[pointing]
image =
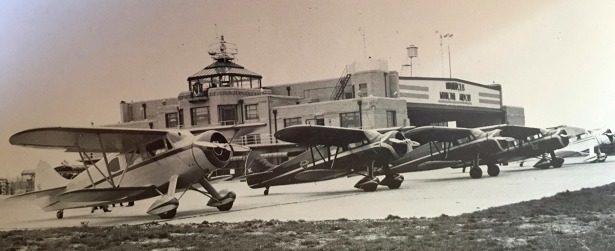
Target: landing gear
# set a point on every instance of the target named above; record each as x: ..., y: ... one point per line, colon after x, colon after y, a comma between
x: 476, y: 172
x: 230, y: 197
x: 493, y: 170
x: 223, y: 203
x: 266, y: 191
x: 557, y: 162
x: 168, y: 214
x: 60, y: 214
x: 393, y: 181
x: 370, y: 182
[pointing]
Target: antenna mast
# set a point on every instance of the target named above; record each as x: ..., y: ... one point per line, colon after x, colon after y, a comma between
x: 362, y: 31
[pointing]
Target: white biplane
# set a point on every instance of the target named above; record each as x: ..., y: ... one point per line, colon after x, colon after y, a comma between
x: 147, y: 164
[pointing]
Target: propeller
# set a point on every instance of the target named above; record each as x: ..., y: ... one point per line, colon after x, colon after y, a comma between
x: 405, y: 141
x: 225, y: 146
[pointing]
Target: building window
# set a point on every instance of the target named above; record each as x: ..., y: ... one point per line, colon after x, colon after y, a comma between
x: 350, y: 119
x: 363, y: 90
x: 200, y: 116
x: 171, y: 120
x: 227, y: 114
x: 347, y: 95
x: 292, y: 121
x: 251, y: 112
x: 391, y: 119
x: 318, y: 120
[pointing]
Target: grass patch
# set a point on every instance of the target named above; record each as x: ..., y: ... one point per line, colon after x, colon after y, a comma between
x: 581, y: 220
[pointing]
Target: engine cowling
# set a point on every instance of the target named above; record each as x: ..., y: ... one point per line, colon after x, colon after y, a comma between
x: 215, y: 148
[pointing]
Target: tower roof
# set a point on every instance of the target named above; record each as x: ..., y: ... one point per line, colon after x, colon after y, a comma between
x: 224, y: 54
x: 222, y: 67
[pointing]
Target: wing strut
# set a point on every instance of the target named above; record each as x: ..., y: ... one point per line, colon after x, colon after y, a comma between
x: 94, y: 164
x: 86, y: 169
x: 123, y: 172
x: 102, y: 147
x: 334, y: 158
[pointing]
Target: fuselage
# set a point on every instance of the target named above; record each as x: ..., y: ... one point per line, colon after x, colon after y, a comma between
x: 438, y: 151
x: 153, y: 164
x: 345, y: 160
x: 527, y: 148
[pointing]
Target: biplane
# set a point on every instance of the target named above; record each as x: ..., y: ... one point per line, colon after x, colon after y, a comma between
x: 530, y: 142
x: 333, y: 152
x: 443, y: 147
x: 586, y: 143
x: 146, y: 163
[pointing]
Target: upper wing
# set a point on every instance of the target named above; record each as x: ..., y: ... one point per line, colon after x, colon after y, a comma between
x: 240, y: 129
x: 517, y: 132
x: 86, y: 139
x: 323, y: 135
x: 571, y: 130
x: 441, y: 134
x: 398, y: 128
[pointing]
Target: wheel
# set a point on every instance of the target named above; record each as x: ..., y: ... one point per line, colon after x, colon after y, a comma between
x: 521, y: 164
x: 393, y: 182
x: 168, y: 214
x: 368, y: 184
x: 266, y: 191
x: 229, y: 205
x: 370, y: 187
x: 226, y: 206
x: 557, y: 162
x: 476, y: 172
x: 60, y: 214
x: 493, y: 170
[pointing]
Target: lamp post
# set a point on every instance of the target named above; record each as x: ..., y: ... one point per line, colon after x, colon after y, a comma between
x: 447, y: 35
x: 360, y: 103
x: 448, y: 45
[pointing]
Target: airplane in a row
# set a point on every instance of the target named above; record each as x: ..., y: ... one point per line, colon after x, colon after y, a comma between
x: 148, y: 163
x: 338, y: 152
x: 157, y: 163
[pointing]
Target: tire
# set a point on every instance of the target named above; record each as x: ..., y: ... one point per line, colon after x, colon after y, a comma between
x: 168, y: 215
x: 493, y: 170
x: 226, y: 207
x: 476, y: 172
x: 60, y: 214
x: 370, y: 187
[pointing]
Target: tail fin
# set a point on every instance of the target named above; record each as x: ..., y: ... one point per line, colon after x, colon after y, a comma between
x: 255, y: 163
x: 45, y: 177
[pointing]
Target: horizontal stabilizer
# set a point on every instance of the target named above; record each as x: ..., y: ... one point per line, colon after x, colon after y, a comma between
x: 258, y: 174
x: 320, y: 174
x: 439, y: 164
x: 38, y: 194
x: 104, y: 194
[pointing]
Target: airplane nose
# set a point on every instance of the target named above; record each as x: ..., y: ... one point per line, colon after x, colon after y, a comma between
x: 214, y: 147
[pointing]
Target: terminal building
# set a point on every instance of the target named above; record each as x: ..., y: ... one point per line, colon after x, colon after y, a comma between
x: 367, y: 95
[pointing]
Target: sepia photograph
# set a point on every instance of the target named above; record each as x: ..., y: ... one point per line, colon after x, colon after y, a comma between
x: 307, y: 125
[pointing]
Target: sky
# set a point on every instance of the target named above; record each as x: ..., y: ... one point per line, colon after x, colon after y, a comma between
x: 70, y: 63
